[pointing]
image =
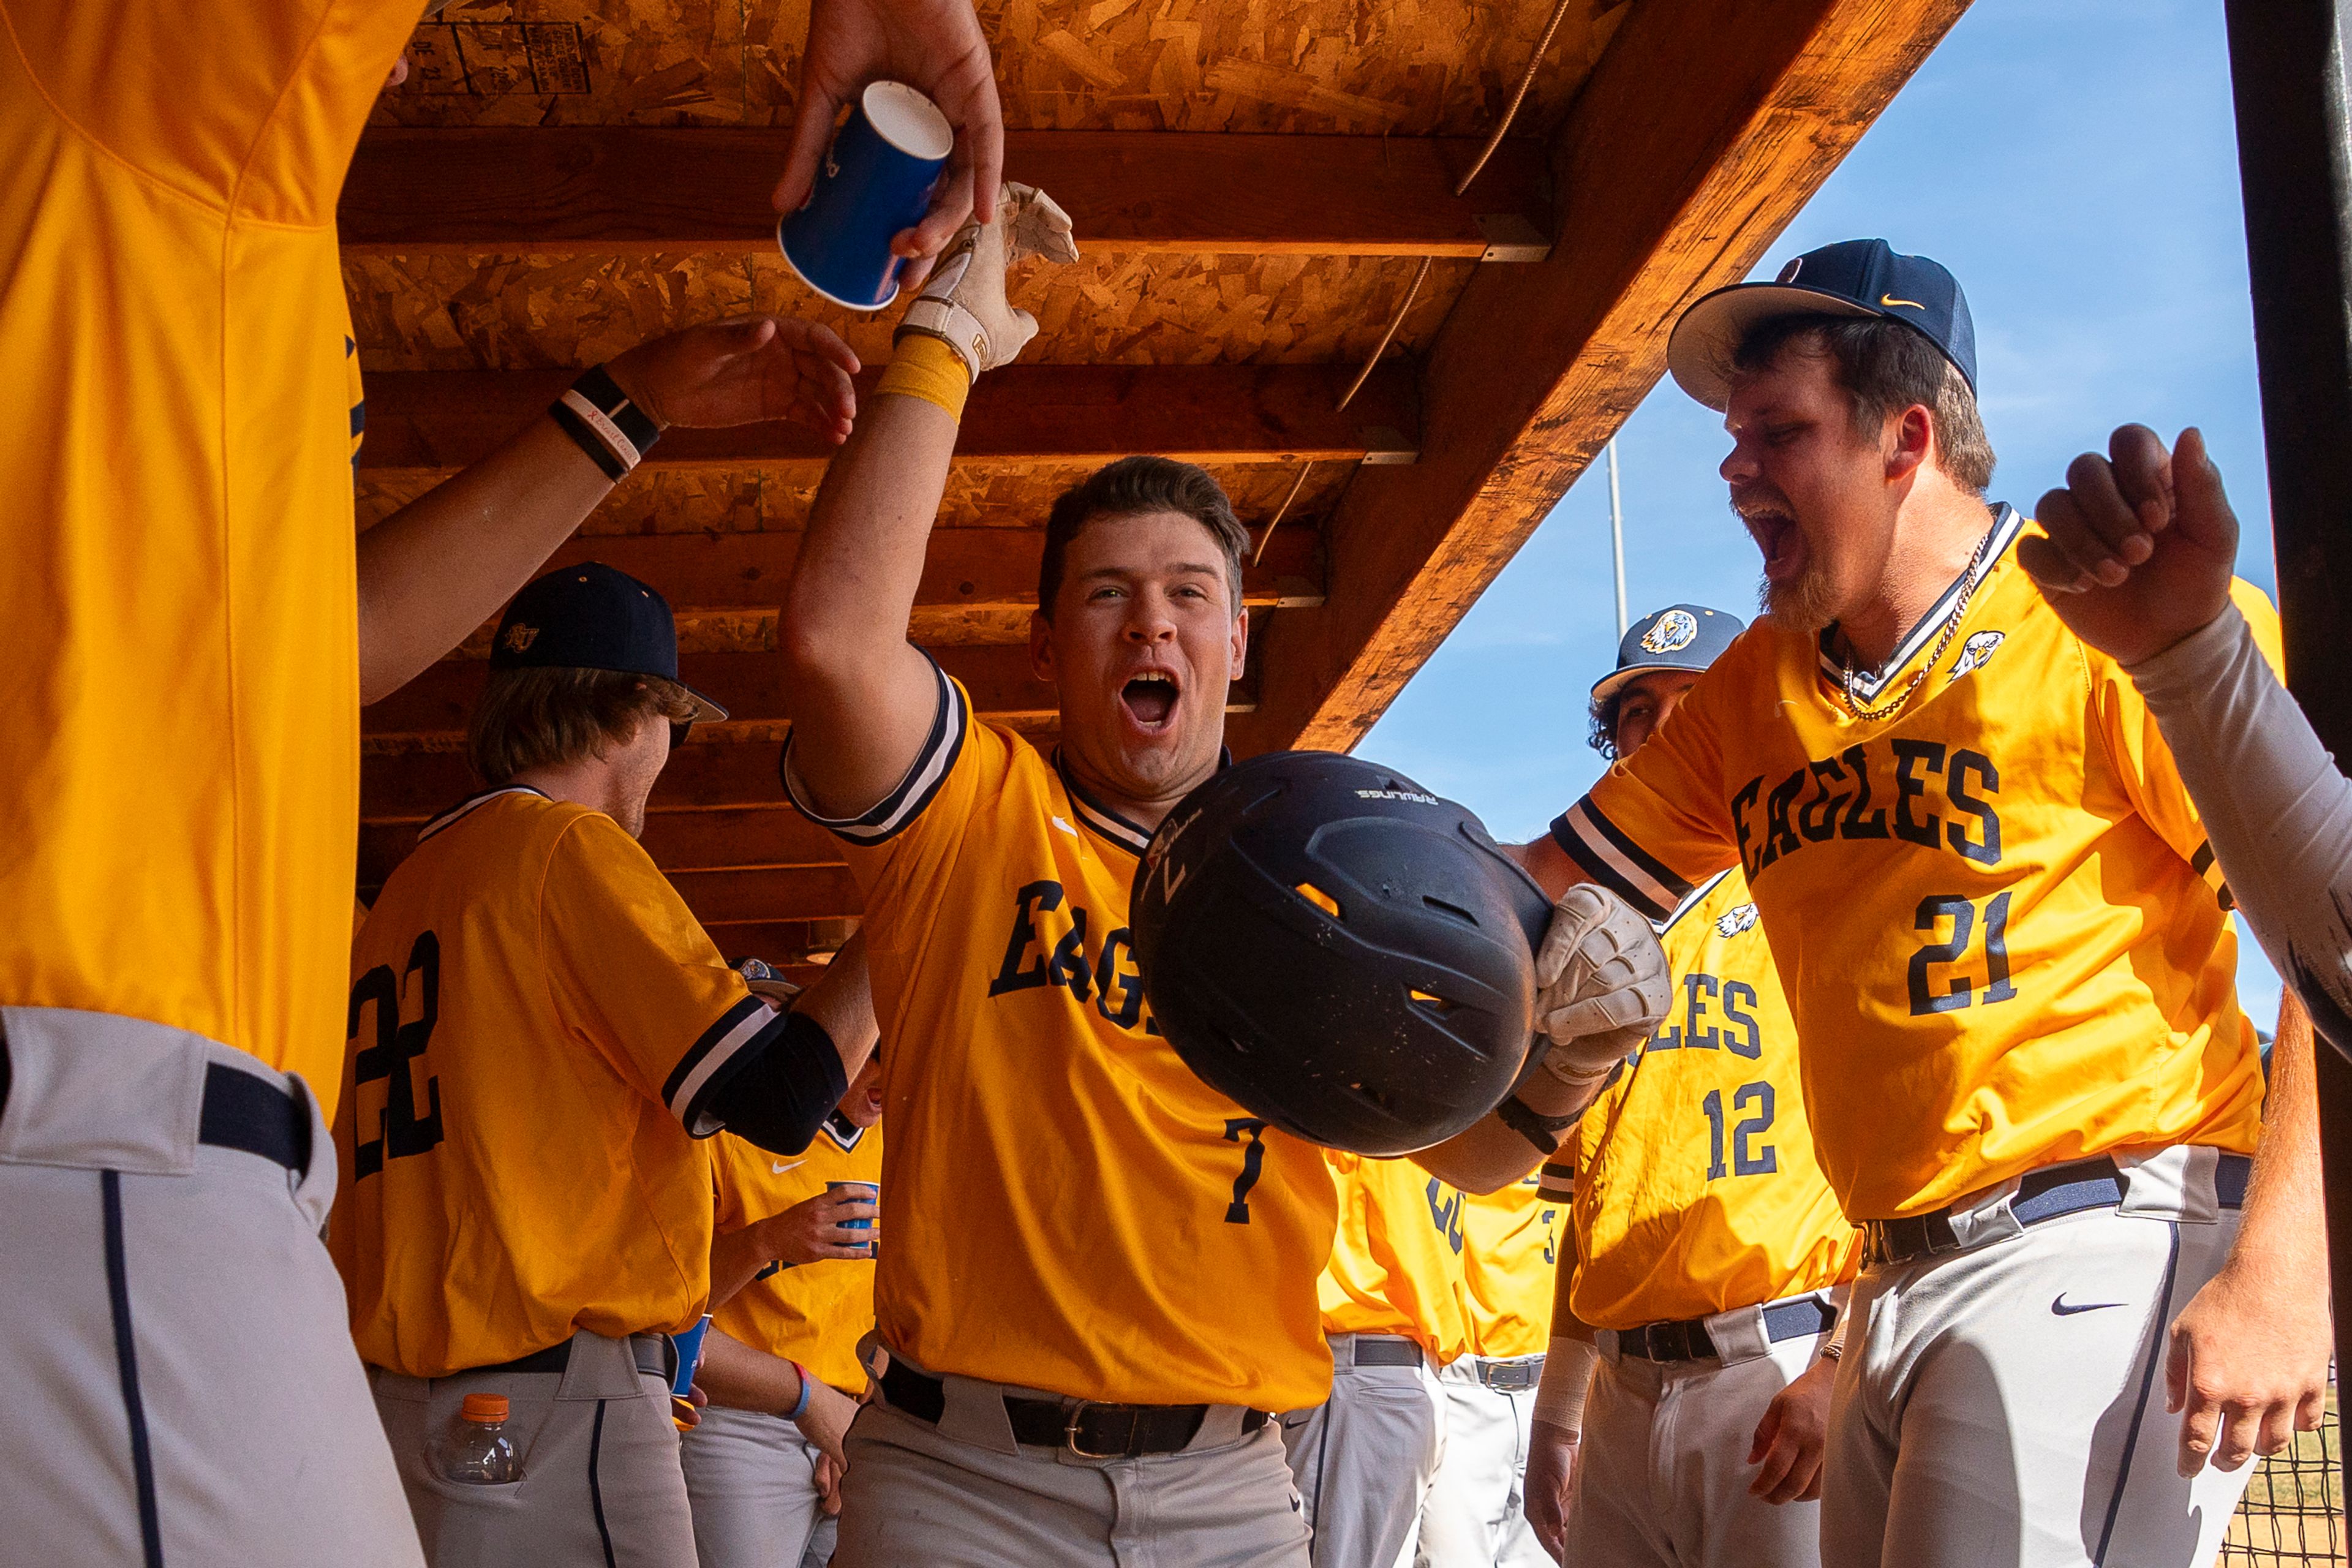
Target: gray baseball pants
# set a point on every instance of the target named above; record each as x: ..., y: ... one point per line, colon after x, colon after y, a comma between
x: 965, y: 1494
x: 2003, y: 1404
x: 1363, y: 1458
x: 751, y: 1479
x: 177, y: 1383
x: 600, y: 1485
x: 1476, y: 1514
x: 1662, y: 1471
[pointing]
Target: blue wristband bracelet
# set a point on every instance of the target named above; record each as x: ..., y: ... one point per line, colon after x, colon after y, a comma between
x: 807, y: 1383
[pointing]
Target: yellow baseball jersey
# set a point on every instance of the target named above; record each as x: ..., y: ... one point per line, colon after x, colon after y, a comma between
x: 1691, y: 1180
x: 536, y: 1026
x: 1067, y: 1206
x: 1994, y: 913
x: 1510, y: 1266
x: 810, y: 1312
x: 1396, y: 1255
x: 179, y: 611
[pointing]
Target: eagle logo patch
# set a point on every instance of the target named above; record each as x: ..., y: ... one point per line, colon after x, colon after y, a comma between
x: 1733, y: 922
x: 1675, y: 630
x: 1974, y: 653
x: 519, y: 637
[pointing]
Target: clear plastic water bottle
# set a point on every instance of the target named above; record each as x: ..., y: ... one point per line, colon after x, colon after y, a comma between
x: 476, y: 1450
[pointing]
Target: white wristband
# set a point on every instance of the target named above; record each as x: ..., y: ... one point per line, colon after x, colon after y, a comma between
x: 1567, y: 1379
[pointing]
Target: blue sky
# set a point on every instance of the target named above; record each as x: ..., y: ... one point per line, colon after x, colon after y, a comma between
x: 2075, y: 166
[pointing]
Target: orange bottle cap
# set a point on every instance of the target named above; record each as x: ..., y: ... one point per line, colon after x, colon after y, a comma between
x: 485, y: 1407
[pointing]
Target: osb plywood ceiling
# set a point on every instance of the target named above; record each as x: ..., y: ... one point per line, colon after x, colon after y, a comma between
x: 1256, y: 188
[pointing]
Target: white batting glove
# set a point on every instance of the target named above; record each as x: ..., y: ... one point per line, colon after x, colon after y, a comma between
x: 1602, y: 982
x: 963, y: 302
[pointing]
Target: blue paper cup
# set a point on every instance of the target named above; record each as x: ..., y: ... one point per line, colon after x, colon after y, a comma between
x: 877, y: 179
x: 689, y: 1355
x: 867, y: 1190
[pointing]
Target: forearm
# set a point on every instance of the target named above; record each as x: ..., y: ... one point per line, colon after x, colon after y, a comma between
x: 437, y: 568
x: 2281, y: 1232
x: 739, y: 1377
x: 736, y: 1258
x: 861, y: 698
x: 2277, y: 811
x: 1505, y: 1145
x: 842, y: 1001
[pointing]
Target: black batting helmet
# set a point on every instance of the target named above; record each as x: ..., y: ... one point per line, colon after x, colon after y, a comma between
x: 1339, y: 951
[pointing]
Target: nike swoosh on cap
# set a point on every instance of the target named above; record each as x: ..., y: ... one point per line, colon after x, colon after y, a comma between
x: 1891, y: 299
x: 2058, y: 1306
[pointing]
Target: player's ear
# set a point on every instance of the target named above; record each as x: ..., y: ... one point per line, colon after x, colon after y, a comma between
x: 1240, y: 642
x: 1041, y: 645
x: 1909, y: 440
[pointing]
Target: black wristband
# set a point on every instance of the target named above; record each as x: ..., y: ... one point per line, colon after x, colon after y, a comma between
x: 1543, y: 1131
x: 595, y: 413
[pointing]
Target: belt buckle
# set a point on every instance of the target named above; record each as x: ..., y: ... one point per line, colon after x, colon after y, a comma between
x: 1070, y: 1431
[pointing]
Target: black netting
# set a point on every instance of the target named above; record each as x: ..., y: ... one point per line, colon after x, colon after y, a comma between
x: 2294, y: 1510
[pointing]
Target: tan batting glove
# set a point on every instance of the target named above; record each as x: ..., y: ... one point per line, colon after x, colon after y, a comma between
x: 963, y: 303
x: 1601, y: 984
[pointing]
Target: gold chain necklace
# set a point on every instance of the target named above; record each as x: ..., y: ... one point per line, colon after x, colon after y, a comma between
x: 1951, y: 624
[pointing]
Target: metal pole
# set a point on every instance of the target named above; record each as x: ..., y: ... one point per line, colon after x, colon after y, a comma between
x: 1617, y: 537
x: 2295, y: 166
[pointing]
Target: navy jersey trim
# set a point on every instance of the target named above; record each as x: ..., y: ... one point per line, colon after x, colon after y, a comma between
x: 950, y: 723
x: 468, y: 805
x: 841, y: 1132
x: 1131, y: 837
x: 1616, y: 862
x: 1697, y: 897
x: 742, y: 1032
x: 2006, y: 524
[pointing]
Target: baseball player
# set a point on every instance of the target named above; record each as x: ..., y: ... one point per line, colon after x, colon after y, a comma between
x: 792, y: 1281
x: 1476, y: 1514
x: 1102, y: 1274
x: 540, y: 1033
x: 2002, y: 936
x: 1705, y: 1246
x: 2137, y: 562
x: 1393, y: 1313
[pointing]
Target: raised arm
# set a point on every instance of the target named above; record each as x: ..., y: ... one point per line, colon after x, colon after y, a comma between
x: 862, y: 700
x: 2142, y: 547
x: 438, y: 567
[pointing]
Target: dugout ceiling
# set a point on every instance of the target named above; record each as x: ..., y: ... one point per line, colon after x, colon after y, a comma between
x: 1256, y: 185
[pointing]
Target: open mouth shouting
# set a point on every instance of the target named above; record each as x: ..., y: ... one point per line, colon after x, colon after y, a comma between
x: 1151, y: 698
x: 1774, y: 529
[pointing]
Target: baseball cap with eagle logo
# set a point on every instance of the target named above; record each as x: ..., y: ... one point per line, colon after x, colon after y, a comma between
x: 1851, y: 278
x: 593, y: 616
x: 1680, y: 636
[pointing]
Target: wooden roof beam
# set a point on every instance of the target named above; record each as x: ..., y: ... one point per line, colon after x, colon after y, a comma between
x: 624, y: 190
x: 431, y: 710
x: 979, y: 584
x: 1238, y: 413
x: 1665, y: 195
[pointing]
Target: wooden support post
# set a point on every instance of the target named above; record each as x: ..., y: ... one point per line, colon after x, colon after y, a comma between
x: 2295, y: 163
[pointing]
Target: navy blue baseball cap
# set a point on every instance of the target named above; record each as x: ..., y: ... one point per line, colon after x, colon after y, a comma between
x: 592, y: 617
x: 1851, y: 278
x: 1680, y: 636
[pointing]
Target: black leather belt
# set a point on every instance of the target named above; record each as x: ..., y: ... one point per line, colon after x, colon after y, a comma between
x: 1511, y: 1376
x: 242, y: 1112
x: 1386, y: 1349
x: 1689, y: 1341
x: 656, y: 1357
x: 2042, y: 1196
x: 1089, y: 1430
